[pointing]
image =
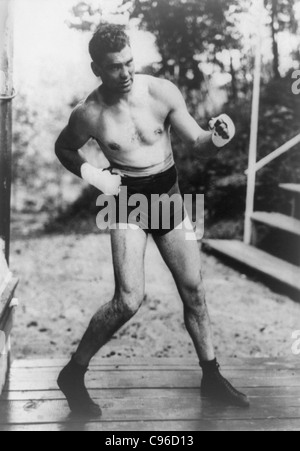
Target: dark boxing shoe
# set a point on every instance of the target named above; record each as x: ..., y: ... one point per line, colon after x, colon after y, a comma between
x: 217, y: 388
x: 71, y: 383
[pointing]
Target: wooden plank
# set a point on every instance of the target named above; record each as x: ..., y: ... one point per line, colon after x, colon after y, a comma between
x: 5, y: 350
x: 166, y: 426
x: 121, y: 368
x: 258, y: 260
x: 99, y: 393
x: 259, y: 392
x: 7, y: 295
x: 4, y: 363
x: 286, y: 147
x: 96, y: 372
x: 278, y: 221
x: 260, y: 370
x: 110, y: 367
x: 110, y: 363
x: 182, y: 363
x: 154, y: 379
x: 150, y: 409
x: 4, y: 271
x: 6, y: 322
x: 6, y: 90
x: 291, y: 187
x: 252, y: 159
x: 37, y: 372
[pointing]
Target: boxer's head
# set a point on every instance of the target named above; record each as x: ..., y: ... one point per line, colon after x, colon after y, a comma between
x: 112, y: 57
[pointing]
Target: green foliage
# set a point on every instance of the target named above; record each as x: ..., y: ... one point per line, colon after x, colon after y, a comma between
x: 284, y: 10
x: 223, y: 179
x: 77, y: 217
x: 188, y: 32
x: 39, y: 181
x: 24, y: 132
x: 84, y: 16
x: 282, y: 18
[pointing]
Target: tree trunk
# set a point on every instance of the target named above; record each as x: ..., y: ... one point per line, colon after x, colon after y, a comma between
x: 274, y: 28
x: 233, y: 81
x: 6, y: 91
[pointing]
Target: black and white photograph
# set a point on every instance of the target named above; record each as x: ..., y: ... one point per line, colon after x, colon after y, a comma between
x: 149, y: 218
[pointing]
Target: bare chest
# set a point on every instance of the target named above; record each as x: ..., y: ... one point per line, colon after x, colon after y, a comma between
x: 129, y: 128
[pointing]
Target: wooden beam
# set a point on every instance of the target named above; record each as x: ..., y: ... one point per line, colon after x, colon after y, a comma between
x: 277, y: 153
x: 260, y: 261
x: 4, y: 271
x: 254, y: 128
x: 7, y: 296
x: 278, y: 221
x: 270, y: 425
x: 6, y: 94
x: 6, y: 324
x: 291, y: 187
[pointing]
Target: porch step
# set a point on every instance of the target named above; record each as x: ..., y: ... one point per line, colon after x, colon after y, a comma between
x: 263, y: 262
x: 278, y: 221
x: 292, y: 187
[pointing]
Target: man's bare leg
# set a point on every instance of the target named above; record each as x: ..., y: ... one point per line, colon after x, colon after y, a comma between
x: 183, y: 259
x: 128, y: 248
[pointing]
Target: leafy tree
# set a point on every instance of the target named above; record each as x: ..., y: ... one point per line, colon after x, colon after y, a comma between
x: 84, y: 16
x: 282, y: 18
x: 189, y: 32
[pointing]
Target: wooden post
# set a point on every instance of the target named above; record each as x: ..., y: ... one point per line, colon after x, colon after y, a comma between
x: 6, y: 95
x: 8, y: 285
x: 254, y: 127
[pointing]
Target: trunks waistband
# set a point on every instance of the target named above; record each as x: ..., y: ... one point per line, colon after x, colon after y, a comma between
x: 169, y: 174
x: 132, y: 172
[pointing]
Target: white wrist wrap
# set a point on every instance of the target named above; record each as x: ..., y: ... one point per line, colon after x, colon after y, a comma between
x: 91, y: 174
x: 104, y: 181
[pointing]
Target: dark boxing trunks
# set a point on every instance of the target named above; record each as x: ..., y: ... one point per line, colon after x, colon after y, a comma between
x: 154, y: 203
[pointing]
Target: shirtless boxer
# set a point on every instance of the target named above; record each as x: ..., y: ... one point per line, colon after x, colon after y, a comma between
x: 131, y: 117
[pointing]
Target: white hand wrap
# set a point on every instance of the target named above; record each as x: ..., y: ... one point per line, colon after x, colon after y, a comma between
x: 104, y: 181
x: 216, y: 138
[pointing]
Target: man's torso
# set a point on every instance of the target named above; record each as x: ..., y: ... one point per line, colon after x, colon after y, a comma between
x: 134, y: 135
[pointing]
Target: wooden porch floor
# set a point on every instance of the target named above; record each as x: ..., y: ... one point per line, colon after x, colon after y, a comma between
x: 153, y: 395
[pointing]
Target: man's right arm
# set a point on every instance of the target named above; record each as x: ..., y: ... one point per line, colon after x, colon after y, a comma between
x: 67, y: 147
x: 71, y: 140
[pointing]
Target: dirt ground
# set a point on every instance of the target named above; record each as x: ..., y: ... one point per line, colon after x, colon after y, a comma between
x: 65, y: 279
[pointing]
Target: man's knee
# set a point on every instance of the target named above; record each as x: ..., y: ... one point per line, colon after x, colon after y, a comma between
x: 194, y: 292
x: 129, y: 301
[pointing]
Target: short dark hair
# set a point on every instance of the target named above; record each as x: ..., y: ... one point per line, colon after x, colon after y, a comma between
x: 108, y: 38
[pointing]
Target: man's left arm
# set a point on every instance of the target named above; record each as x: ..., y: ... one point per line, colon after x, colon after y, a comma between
x: 221, y: 132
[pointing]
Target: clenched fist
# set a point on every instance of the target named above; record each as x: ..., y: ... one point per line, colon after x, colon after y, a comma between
x: 105, y: 181
x: 223, y: 130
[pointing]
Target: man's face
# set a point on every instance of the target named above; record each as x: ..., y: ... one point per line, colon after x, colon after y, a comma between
x: 117, y: 71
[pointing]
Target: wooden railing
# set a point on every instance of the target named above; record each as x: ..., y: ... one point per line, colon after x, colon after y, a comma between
x: 253, y: 165
x: 276, y: 154
x: 251, y: 173
x: 7, y: 93
x: 254, y: 124
x: 8, y: 285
